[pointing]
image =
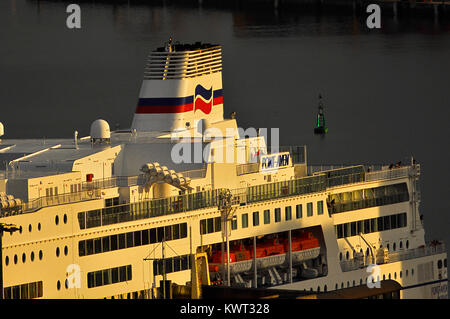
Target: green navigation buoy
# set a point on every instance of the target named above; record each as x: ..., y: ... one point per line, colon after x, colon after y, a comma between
x: 320, y: 128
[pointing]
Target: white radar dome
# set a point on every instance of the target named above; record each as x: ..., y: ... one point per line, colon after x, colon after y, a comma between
x: 100, y: 130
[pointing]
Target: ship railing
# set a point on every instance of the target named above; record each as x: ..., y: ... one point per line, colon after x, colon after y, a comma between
x: 341, y: 174
x: 55, y: 200
x: 392, y: 173
x: 362, y: 262
x: 195, y: 173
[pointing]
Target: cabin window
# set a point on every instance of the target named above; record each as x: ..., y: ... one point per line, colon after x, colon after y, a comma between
x: 244, y: 220
x: 267, y: 216
x: 309, y: 209
x: 288, y: 212
x: 137, y: 238
x: 160, y: 234
x: 202, y: 226
x: 346, y: 230
x: 145, y: 237
x: 167, y: 233
x: 81, y: 248
x: 320, y: 207
x: 210, y: 225
x: 114, y: 242
x: 175, y: 230
x: 97, y: 245
x: 277, y: 215
x: 387, y: 222
x: 298, y: 211
x: 353, y: 229
x: 89, y: 247
x: 255, y: 218
x: 217, y: 224
x: 121, y: 241
x: 234, y: 223
x: 339, y: 231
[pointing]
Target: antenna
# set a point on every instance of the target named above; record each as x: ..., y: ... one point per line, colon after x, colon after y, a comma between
x: 76, y: 139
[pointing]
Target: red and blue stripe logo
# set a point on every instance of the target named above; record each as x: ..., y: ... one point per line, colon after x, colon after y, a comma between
x: 203, y: 100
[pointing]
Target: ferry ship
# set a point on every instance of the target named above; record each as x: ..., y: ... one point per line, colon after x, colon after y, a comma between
x: 123, y: 214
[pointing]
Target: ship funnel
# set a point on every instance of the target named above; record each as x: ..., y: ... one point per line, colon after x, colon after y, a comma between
x: 182, y: 85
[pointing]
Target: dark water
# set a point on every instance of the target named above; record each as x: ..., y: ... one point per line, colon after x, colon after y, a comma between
x: 386, y: 92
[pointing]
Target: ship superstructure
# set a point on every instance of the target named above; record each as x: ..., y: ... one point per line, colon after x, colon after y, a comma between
x: 118, y: 214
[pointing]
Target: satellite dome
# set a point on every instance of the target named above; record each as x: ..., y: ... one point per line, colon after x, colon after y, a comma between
x: 100, y: 130
x: 2, y: 129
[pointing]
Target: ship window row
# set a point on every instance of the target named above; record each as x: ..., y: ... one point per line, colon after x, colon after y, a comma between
x: 109, y: 276
x: 278, y: 216
x: 370, y: 197
x: 131, y: 239
x: 210, y: 225
x: 25, y: 291
x: 169, y: 265
x: 371, y: 225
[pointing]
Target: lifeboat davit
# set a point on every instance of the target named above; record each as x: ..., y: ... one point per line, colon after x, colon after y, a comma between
x: 270, y: 253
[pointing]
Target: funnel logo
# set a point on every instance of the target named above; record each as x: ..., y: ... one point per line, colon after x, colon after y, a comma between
x: 203, y: 99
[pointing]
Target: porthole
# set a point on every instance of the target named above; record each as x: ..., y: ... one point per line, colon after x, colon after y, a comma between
x: 395, y: 275
x: 58, y: 285
x: 354, y: 283
x: 387, y: 246
x: 24, y: 258
x: 65, y: 219
x: 407, y: 244
x: 66, y: 250
x: 32, y: 256
x: 389, y: 277
x: 66, y: 283
x: 30, y: 228
x: 39, y: 226
x: 360, y: 281
x: 15, y: 259
x: 40, y: 254
x: 342, y: 285
x: 393, y: 247
x: 401, y: 274
x: 401, y: 245
x: 57, y: 251
x: 56, y: 220
x: 325, y: 288
x: 336, y: 287
x: 439, y: 264
x: 384, y: 277
x: 406, y: 273
x: 412, y: 272
x: 7, y: 261
x: 340, y: 256
x: 347, y: 255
